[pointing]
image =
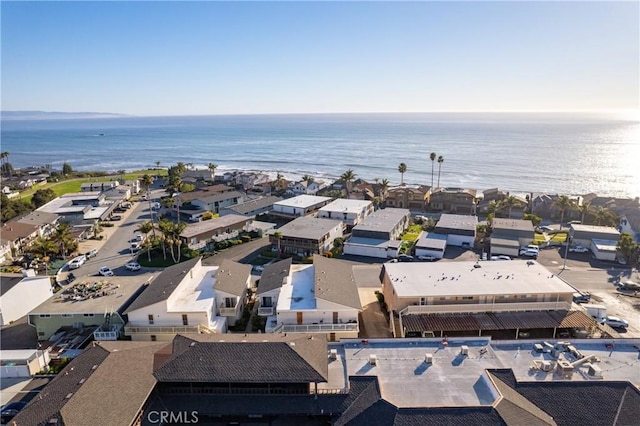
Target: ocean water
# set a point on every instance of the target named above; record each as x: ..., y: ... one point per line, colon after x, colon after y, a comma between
x: 554, y: 153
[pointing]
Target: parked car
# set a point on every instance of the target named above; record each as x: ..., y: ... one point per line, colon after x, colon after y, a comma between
x: 578, y: 249
x: 529, y: 253
x: 105, y: 271
x: 119, y: 210
x: 10, y: 410
x: 501, y: 257
x: 614, y: 322
x: 405, y: 258
x: 132, y: 266
x: 581, y: 297
x: 427, y: 258
x: 116, y: 217
x: 545, y: 228
x: 629, y: 285
x: 77, y: 262
x: 91, y: 253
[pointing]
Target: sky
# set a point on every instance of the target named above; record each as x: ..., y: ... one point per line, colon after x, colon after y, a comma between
x: 197, y: 58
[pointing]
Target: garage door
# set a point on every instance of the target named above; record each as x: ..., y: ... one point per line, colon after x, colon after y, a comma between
x: 14, y: 371
x: 358, y: 250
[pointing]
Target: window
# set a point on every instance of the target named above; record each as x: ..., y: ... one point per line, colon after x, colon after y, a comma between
x: 185, y: 319
x: 229, y: 302
x: 153, y: 338
x: 267, y: 302
x: 150, y: 319
x: 45, y: 316
x: 467, y: 297
x: 88, y: 315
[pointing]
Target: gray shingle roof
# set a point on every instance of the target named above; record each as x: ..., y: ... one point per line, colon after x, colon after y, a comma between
x: 245, y: 359
x: 273, y: 275
x: 161, y: 288
x: 232, y: 277
x: 334, y: 282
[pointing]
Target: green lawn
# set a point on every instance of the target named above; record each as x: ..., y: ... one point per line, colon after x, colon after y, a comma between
x: 412, y: 233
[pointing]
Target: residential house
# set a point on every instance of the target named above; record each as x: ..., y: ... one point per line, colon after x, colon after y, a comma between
x: 19, y: 295
x: 378, y: 235
x: 306, y: 236
x: 18, y: 236
x: 305, y: 187
x: 46, y: 222
x: 186, y: 197
x: 350, y: 212
x: 97, y: 305
x: 471, y: 299
x: 543, y: 205
x: 22, y: 362
x: 200, y: 235
x: 453, y: 200
x: 601, y: 240
x: 459, y: 229
x: 489, y: 195
x: 215, y: 202
x: 319, y: 298
x: 81, y: 208
x: 251, y: 208
x: 5, y: 249
x: 431, y: 244
x: 99, y: 186
x: 415, y: 198
x: 198, y: 174
x: 118, y: 193
x: 627, y: 209
x: 302, y: 205
x: 508, y: 235
x: 249, y: 180
x: 189, y: 298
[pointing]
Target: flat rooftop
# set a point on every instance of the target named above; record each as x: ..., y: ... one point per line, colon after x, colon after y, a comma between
x: 343, y: 205
x: 453, y: 380
x: 303, y: 201
x: 457, y: 221
x: 605, y: 245
x: 431, y: 240
x: 194, y: 294
x: 371, y: 242
x: 466, y: 279
x: 383, y: 220
x: 594, y: 228
x: 298, y: 293
x: 308, y: 227
x: 111, y: 293
x: 194, y: 229
x: 511, y: 224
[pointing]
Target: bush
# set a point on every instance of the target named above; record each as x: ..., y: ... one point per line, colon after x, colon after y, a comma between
x: 327, y: 253
x: 245, y: 238
x: 380, y: 297
x: 308, y: 259
x: 107, y: 224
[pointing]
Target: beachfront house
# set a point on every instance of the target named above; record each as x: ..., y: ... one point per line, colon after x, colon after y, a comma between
x: 500, y: 299
x: 415, y: 198
x: 306, y: 236
x: 453, y: 200
x: 302, y: 205
x: 319, y: 298
x: 378, y: 235
x: 350, y: 212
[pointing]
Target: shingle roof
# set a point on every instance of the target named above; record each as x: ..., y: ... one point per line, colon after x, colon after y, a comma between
x: 334, y: 282
x: 274, y: 274
x: 161, y: 288
x: 232, y: 277
x: 219, y: 197
x: 89, y: 388
x: 246, y: 359
x: 13, y: 230
x: 251, y: 205
x: 39, y: 218
x: 514, y: 408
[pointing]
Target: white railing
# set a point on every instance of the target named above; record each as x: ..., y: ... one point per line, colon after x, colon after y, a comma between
x: 316, y: 328
x: 105, y: 335
x: 228, y: 312
x: 266, y: 311
x: 486, y: 307
x: 162, y: 329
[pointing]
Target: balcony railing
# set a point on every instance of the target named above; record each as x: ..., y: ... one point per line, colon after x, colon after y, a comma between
x: 486, y: 307
x: 316, y: 328
x: 228, y: 312
x: 152, y: 329
x: 266, y: 311
x: 105, y: 335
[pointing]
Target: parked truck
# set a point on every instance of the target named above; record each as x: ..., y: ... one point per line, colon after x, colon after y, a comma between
x: 596, y: 311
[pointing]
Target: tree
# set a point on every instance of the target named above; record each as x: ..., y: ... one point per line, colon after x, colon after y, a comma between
x: 278, y: 236
x: 402, y: 168
x: 212, y: 167
x: 66, y: 169
x: 563, y: 203
x: 535, y: 220
x: 604, y: 217
x: 432, y: 157
x: 145, y: 228
x: 308, y: 179
x: 157, y: 164
x: 440, y: 161
x: 42, y: 197
x: 629, y: 248
x: 97, y: 229
x: 348, y: 177
x: 11, y: 208
x: 42, y: 247
x: 585, y: 209
x: 509, y: 203
x: 384, y: 185
x: 146, y: 181
x: 165, y: 226
x: 62, y: 237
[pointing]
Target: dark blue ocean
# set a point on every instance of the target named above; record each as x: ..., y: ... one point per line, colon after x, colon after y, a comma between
x: 564, y: 153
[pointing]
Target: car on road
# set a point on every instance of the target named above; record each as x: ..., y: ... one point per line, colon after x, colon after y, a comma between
x: 77, y: 262
x: 405, y: 258
x: 427, y: 258
x: 91, y: 253
x: 501, y: 257
x: 105, y: 272
x: 614, y: 322
x: 629, y: 285
x: 10, y: 410
x: 529, y: 253
x: 580, y: 297
x: 132, y: 266
x: 578, y: 249
x: 115, y: 218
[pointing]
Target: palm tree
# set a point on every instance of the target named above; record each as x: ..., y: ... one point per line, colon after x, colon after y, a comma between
x: 213, y: 168
x: 145, y: 228
x: 157, y: 164
x: 146, y: 181
x: 440, y: 161
x: 509, y: 203
x: 175, y: 229
x: 43, y: 247
x: 165, y: 226
x: 348, y: 177
x: 563, y: 203
x: 432, y: 157
x: 278, y: 236
x: 402, y: 168
x: 384, y: 185
x: 605, y: 217
x: 62, y: 237
x: 585, y: 209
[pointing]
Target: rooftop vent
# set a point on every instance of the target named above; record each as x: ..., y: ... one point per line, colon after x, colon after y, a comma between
x: 192, y: 344
x: 69, y: 395
x: 373, y: 359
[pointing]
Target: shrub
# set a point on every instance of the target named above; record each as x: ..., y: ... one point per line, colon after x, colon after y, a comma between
x: 245, y: 238
x: 308, y: 259
x: 327, y: 253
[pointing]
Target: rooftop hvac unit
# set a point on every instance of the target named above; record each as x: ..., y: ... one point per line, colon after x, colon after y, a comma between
x: 595, y: 371
x: 538, y: 347
x: 428, y: 358
x: 333, y: 354
x: 373, y: 359
x: 546, y: 366
x: 464, y: 350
